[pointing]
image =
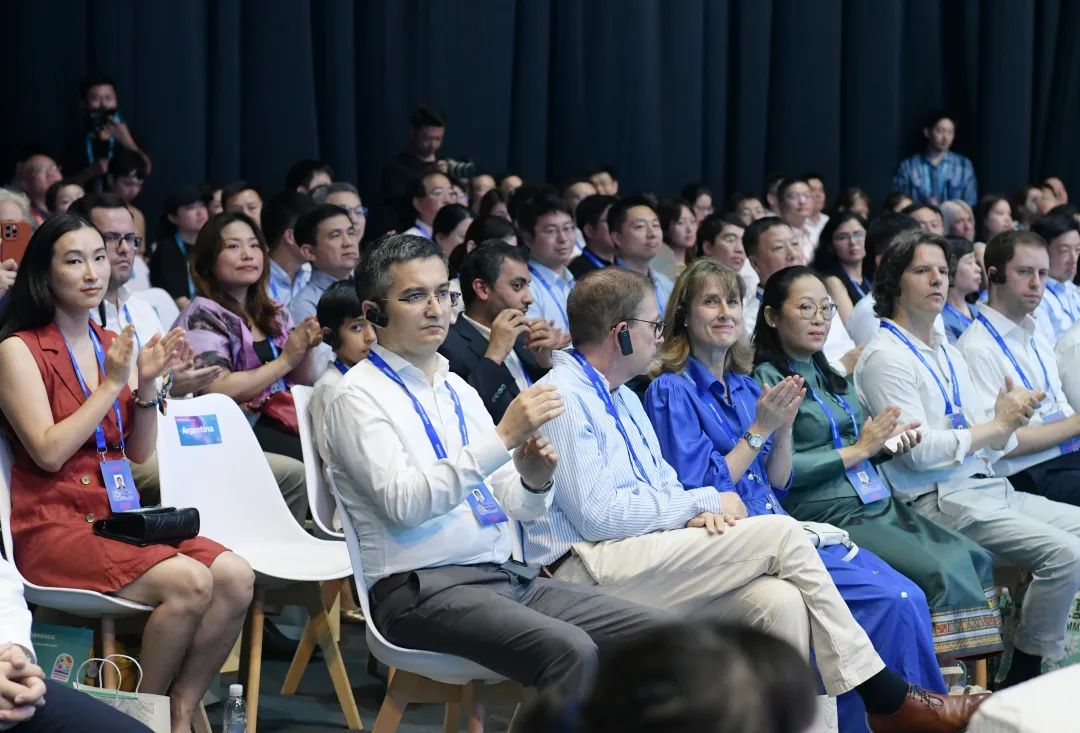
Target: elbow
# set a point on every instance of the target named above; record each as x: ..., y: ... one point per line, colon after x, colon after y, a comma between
x: 47, y: 461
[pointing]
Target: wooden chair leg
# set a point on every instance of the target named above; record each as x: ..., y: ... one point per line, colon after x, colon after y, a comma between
x: 331, y: 596
x: 251, y: 657
x: 980, y: 673
x: 405, y: 688
x: 332, y: 655
x: 300, y: 660
x: 108, y: 678
x: 452, y: 718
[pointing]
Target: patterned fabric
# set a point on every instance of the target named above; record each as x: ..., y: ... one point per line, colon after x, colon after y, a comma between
x: 922, y: 181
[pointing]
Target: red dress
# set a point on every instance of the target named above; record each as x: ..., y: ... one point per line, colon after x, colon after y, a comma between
x: 52, y: 513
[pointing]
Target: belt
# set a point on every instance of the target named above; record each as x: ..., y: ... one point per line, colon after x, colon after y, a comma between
x: 553, y: 567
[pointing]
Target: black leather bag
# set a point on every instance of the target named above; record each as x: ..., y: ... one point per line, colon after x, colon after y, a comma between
x: 150, y: 526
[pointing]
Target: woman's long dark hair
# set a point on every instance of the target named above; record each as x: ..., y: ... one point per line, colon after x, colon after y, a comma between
x: 31, y: 304
x: 827, y: 262
x: 767, y: 346
x: 258, y: 309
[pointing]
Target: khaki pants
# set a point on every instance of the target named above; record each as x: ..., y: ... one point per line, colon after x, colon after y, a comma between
x: 763, y: 571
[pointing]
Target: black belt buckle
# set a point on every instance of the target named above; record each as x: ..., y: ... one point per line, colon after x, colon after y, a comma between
x: 520, y: 570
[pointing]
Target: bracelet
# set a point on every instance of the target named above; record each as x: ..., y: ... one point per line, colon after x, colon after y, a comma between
x: 160, y: 401
x: 542, y: 490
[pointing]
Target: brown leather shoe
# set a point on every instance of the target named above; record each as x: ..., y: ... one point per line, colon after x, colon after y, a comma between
x: 928, y: 712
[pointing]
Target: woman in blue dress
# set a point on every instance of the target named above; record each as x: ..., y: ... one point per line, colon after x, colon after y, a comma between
x: 965, y: 284
x: 718, y: 427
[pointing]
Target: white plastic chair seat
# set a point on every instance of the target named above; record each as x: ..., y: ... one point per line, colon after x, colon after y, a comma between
x: 297, y: 561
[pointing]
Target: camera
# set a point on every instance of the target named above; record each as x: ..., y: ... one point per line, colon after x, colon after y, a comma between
x: 97, y: 117
x: 461, y: 169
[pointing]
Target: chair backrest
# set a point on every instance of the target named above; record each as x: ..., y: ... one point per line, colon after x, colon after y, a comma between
x: 162, y: 303
x: 319, y: 499
x: 7, y: 459
x: 353, y: 543
x: 209, y: 458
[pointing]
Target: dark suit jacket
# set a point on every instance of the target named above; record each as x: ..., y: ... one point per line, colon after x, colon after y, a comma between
x: 464, y: 347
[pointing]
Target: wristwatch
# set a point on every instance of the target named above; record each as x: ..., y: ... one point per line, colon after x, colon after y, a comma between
x: 756, y: 441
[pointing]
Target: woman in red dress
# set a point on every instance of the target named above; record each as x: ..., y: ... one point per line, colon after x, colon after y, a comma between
x: 199, y: 589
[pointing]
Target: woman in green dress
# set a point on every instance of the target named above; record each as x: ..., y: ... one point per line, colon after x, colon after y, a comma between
x: 834, y: 476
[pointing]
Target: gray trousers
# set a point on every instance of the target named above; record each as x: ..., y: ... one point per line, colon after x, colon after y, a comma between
x: 1026, y: 530
x: 542, y: 633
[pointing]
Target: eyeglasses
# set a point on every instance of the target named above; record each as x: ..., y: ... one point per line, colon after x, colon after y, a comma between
x: 807, y: 311
x: 360, y: 212
x: 114, y: 238
x: 658, y: 326
x: 423, y: 299
x: 846, y: 237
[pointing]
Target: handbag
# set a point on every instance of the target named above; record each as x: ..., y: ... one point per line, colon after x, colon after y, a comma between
x: 144, y: 527
x: 823, y: 535
x: 150, y: 710
x: 280, y: 409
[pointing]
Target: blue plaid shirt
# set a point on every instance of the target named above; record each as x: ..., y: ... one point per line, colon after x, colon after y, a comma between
x: 952, y: 178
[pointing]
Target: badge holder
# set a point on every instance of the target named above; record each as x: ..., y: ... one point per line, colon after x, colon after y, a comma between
x: 866, y: 481
x: 119, y: 484
x: 959, y: 422
x: 484, y: 507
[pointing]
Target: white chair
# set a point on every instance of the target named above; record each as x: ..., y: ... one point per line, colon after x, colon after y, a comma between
x: 418, y: 676
x: 228, y: 480
x: 319, y: 499
x: 162, y: 303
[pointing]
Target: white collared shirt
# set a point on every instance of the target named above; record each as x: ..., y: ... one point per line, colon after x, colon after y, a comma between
x: 1059, y: 309
x: 550, y: 305
x: 837, y: 343
x: 990, y: 366
x: 420, y: 229
x: 816, y: 228
x: 511, y: 362
x: 863, y: 324
x: 134, y: 311
x: 1067, y: 352
x: 14, y: 615
x: 408, y: 507
x: 888, y: 373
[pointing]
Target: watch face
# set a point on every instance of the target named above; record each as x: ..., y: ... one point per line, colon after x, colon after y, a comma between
x: 755, y: 441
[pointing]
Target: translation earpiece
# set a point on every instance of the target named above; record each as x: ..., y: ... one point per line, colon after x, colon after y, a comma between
x: 995, y: 277
x: 626, y: 345
x: 376, y: 317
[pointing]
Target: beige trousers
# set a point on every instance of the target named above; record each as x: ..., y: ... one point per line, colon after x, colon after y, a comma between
x: 763, y: 571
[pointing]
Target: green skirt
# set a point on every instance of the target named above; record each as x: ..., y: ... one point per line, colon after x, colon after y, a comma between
x: 955, y: 573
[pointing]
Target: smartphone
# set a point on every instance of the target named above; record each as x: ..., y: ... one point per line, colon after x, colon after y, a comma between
x: 14, y: 237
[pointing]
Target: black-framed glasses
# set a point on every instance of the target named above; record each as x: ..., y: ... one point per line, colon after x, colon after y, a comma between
x: 807, y: 311
x: 658, y: 326
x: 114, y: 238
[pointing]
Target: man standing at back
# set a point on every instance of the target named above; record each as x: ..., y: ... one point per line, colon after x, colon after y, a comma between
x: 937, y: 174
x: 427, y: 129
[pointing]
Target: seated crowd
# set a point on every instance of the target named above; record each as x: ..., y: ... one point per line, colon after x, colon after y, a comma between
x: 824, y: 426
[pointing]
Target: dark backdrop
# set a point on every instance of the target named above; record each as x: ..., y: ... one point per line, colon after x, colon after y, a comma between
x: 668, y: 91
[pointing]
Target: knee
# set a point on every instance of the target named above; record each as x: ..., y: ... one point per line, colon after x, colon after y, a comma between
x: 191, y: 587
x: 234, y: 580
x: 573, y: 660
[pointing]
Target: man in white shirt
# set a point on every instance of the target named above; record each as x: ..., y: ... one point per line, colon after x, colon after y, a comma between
x: 547, y: 229
x: 429, y: 194
x: 818, y: 218
x: 429, y: 482
x: 1060, y: 307
x: 949, y: 477
x: 1003, y: 342
x: 795, y: 197
x: 771, y: 245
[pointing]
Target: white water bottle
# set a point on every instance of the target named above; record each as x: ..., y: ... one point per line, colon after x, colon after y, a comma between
x: 235, y: 713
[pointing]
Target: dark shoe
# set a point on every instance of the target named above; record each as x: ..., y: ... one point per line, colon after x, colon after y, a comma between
x: 928, y: 712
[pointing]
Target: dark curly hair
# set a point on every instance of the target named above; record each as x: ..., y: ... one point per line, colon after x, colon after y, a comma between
x: 896, y: 258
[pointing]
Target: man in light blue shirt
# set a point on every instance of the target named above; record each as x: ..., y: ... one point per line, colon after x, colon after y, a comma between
x: 621, y: 520
x: 289, y: 270
x: 1060, y: 306
x: 548, y: 230
x: 329, y: 242
x: 637, y: 236
x: 937, y: 174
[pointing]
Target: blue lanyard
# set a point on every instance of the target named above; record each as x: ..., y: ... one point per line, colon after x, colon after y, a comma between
x: 593, y: 258
x: 1063, y: 302
x: 547, y: 286
x: 957, y: 313
x: 838, y: 442
x: 429, y: 428
x: 280, y: 384
x: 952, y: 372
x: 605, y: 396
x: 860, y: 289
x: 182, y: 246
x: 99, y: 432
x: 131, y: 322
x: 1012, y: 357
x: 90, y: 148
x: 340, y: 365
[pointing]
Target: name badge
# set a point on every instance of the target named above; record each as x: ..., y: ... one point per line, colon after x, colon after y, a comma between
x: 484, y: 507
x: 120, y: 486
x: 867, y: 483
x: 1072, y: 444
x: 959, y: 422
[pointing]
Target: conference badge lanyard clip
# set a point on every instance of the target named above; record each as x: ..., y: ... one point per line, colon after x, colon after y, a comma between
x: 483, y: 505
x: 954, y: 410
x: 116, y: 474
x: 863, y: 477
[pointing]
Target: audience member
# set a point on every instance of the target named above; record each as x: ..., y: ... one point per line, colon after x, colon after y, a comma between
x: 34, y: 173
x: 345, y: 330
x: 928, y: 217
x: 993, y: 215
x: 548, y: 231
x: 965, y: 282
x: 721, y: 238
x: 61, y: 194
x: 840, y: 258
x: 853, y: 199
x: 66, y: 381
x: 863, y: 323
x: 15, y: 206
x: 494, y: 203
x: 746, y: 207
x: 347, y: 197
x: 429, y: 194
x: 427, y: 129
x: 599, y: 250
x: 481, y: 230
x: 573, y: 193
x: 290, y: 270
x: 1003, y: 344
x: 508, y: 183
x: 87, y: 157
x: 304, y: 176
x: 433, y: 503
x: 125, y: 177
x: 818, y: 218
x: 494, y: 346
x: 1030, y: 202
x: 182, y: 219
x: 895, y: 202
x: 835, y: 449
x: 479, y: 185
x: 769, y: 193
x: 795, y: 197
x: 958, y: 219
x: 637, y: 236
x: 1058, y: 312
x: 604, y: 179
x: 233, y: 324
x: 241, y: 197
x: 950, y: 477
x: 937, y: 174
x: 450, y: 226
x: 678, y: 226
x: 630, y: 526
x: 1060, y: 192
x: 458, y: 195
x: 329, y: 242
x: 212, y: 198
x: 699, y: 197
